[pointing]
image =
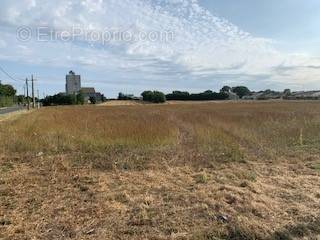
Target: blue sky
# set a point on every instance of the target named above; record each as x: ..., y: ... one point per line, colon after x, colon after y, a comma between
x: 261, y: 44
x: 293, y: 23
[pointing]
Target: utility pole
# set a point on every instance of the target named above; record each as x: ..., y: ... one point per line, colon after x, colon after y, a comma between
x: 38, y: 102
x: 28, y: 100
x: 24, y: 94
x: 33, y: 96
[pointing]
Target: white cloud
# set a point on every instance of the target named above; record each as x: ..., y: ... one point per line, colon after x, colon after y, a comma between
x: 203, y: 46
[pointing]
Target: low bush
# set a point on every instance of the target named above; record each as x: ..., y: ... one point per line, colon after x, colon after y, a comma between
x: 154, y: 96
x: 63, y: 99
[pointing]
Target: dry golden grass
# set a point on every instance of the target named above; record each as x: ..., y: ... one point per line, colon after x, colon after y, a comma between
x: 185, y: 171
x: 121, y: 103
x: 13, y: 115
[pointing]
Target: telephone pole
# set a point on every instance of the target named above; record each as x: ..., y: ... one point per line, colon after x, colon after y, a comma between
x: 24, y: 94
x: 38, y: 102
x: 28, y: 100
x: 33, y: 96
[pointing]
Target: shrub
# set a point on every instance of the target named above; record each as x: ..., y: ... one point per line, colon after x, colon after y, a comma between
x: 154, y: 97
x: 93, y: 100
x: 202, y: 178
x: 241, y: 91
x: 79, y: 99
x: 63, y: 99
x: 158, y: 97
x: 205, y: 96
x: 147, y: 96
x: 7, y: 95
x: 177, y: 95
x: 7, y: 90
x: 6, y: 101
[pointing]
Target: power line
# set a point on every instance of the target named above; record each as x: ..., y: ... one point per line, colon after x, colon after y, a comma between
x: 8, y: 75
x: 2, y: 81
x: 26, y: 87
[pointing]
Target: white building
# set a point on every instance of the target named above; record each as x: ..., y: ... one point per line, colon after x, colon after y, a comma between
x: 73, y: 83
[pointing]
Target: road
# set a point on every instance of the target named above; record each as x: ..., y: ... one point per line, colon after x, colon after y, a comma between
x: 10, y: 109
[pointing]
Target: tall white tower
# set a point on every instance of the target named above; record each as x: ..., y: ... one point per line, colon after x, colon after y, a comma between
x: 73, y: 83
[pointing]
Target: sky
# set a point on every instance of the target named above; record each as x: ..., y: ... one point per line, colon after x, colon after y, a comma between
x: 135, y: 45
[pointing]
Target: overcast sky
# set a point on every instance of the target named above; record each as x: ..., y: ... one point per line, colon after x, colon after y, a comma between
x: 207, y: 44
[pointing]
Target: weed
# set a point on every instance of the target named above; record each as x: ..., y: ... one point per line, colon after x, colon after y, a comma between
x: 317, y: 167
x: 6, y: 167
x: 202, y: 178
x: 251, y: 176
x: 5, y: 222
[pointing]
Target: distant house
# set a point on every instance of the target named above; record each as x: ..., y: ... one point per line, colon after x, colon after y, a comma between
x: 264, y: 95
x: 309, y: 95
x: 233, y: 96
x: 250, y: 97
x: 90, y: 92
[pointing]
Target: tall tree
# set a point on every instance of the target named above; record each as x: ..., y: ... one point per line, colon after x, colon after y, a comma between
x: 241, y: 91
x: 7, y: 90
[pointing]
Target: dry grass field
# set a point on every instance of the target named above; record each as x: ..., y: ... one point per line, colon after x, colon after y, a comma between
x: 237, y: 171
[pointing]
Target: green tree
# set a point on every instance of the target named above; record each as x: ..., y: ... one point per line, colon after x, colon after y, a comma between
x: 7, y: 95
x: 21, y: 99
x: 287, y: 92
x: 63, y: 99
x: 80, y: 99
x: 121, y: 96
x: 178, y: 95
x: 147, y: 96
x: 93, y: 100
x: 103, y: 98
x: 241, y: 91
x: 7, y: 90
x: 155, y: 96
x: 158, y: 97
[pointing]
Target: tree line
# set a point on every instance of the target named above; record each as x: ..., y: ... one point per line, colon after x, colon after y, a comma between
x: 63, y: 99
x: 204, y: 96
x: 8, y: 96
x: 70, y: 99
x: 223, y: 94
